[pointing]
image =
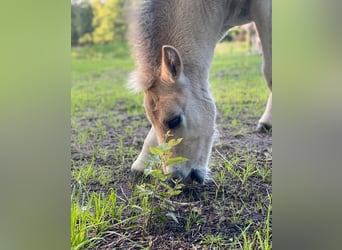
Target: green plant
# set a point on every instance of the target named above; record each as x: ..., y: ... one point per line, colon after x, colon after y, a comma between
x: 193, y: 218
x: 231, y: 169
x: 261, y: 239
x: 235, y: 217
x: 80, y: 224
x: 155, y: 195
x: 248, y: 171
x: 104, y: 176
x: 266, y: 243
x: 214, y: 241
x: 84, y: 174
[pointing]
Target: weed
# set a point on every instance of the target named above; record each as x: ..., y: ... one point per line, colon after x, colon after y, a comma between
x: 214, y: 241
x: 194, y: 218
x: 235, y: 212
x: 129, y: 130
x: 266, y: 244
x: 261, y: 239
x: 104, y: 176
x: 82, y: 138
x: 99, y: 206
x: 248, y: 171
x: 80, y: 226
x: 155, y: 196
x: 264, y: 172
x: 84, y: 174
x: 231, y: 169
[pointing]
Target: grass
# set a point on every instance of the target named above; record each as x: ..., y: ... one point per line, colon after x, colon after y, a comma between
x: 111, y: 211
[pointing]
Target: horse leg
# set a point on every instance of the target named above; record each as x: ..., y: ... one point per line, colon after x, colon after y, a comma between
x: 262, y: 16
x: 265, y: 122
x: 151, y: 140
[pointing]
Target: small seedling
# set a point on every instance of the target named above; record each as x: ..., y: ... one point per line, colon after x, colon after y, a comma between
x: 155, y: 195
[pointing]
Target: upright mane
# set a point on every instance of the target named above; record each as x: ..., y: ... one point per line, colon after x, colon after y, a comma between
x: 176, y: 23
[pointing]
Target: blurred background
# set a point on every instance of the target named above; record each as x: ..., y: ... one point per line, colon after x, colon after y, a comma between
x: 101, y: 22
x: 98, y: 21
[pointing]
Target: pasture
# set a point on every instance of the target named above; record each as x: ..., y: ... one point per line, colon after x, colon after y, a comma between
x: 110, y: 210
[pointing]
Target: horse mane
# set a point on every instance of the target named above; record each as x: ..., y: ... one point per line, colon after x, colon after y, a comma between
x: 164, y: 22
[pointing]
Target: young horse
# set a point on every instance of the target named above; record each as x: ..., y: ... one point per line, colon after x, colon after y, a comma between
x: 174, y: 46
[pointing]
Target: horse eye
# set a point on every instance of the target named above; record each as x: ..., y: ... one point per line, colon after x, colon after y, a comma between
x: 174, y: 122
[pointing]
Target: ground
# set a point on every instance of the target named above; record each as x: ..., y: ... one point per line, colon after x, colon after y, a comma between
x: 233, y: 211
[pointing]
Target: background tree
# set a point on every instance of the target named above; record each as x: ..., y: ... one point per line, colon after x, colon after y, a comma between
x: 81, y: 21
x: 108, y: 21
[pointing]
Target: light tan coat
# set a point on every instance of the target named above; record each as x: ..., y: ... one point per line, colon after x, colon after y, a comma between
x: 174, y: 46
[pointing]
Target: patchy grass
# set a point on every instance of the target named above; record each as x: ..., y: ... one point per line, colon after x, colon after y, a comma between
x: 110, y: 211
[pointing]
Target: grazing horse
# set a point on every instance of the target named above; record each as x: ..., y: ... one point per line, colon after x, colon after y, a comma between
x: 174, y: 45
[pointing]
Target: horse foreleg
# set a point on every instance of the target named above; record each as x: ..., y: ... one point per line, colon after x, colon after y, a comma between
x: 265, y: 122
x: 262, y: 16
x: 139, y: 164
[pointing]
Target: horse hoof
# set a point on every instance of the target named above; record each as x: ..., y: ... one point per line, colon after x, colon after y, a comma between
x: 264, y: 128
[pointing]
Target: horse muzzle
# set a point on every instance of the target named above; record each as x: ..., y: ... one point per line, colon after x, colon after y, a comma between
x: 193, y: 175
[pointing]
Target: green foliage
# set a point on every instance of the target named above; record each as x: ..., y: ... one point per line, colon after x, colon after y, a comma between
x: 155, y: 195
x: 84, y: 174
x: 214, y: 241
x: 232, y: 34
x: 108, y: 22
x: 80, y: 223
x: 100, y: 53
x: 261, y: 239
x: 81, y: 22
x: 89, y: 219
x: 98, y: 22
x: 165, y: 153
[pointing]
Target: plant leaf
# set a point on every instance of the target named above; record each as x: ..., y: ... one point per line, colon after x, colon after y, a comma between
x: 148, y: 171
x: 156, y: 151
x: 164, y: 147
x: 174, y: 192
x: 174, y: 142
x: 175, y: 160
x: 172, y: 216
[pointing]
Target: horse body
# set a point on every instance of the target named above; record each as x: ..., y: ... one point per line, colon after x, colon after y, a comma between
x: 174, y: 47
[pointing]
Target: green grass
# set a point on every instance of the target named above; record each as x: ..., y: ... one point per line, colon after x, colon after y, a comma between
x: 108, y: 125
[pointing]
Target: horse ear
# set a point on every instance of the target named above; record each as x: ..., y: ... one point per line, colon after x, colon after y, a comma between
x: 172, y: 64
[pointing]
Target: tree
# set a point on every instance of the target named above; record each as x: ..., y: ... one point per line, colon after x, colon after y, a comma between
x: 108, y: 21
x: 81, y: 21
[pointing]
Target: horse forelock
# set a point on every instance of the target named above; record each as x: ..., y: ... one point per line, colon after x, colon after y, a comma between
x: 140, y: 80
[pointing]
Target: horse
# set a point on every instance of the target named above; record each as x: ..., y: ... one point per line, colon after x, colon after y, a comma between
x: 174, y: 44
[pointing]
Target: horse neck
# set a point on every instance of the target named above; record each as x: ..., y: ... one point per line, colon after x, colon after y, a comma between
x: 193, y: 27
x: 197, y: 66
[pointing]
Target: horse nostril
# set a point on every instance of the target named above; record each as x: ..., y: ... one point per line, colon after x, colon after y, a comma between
x: 196, y: 175
x: 178, y: 176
